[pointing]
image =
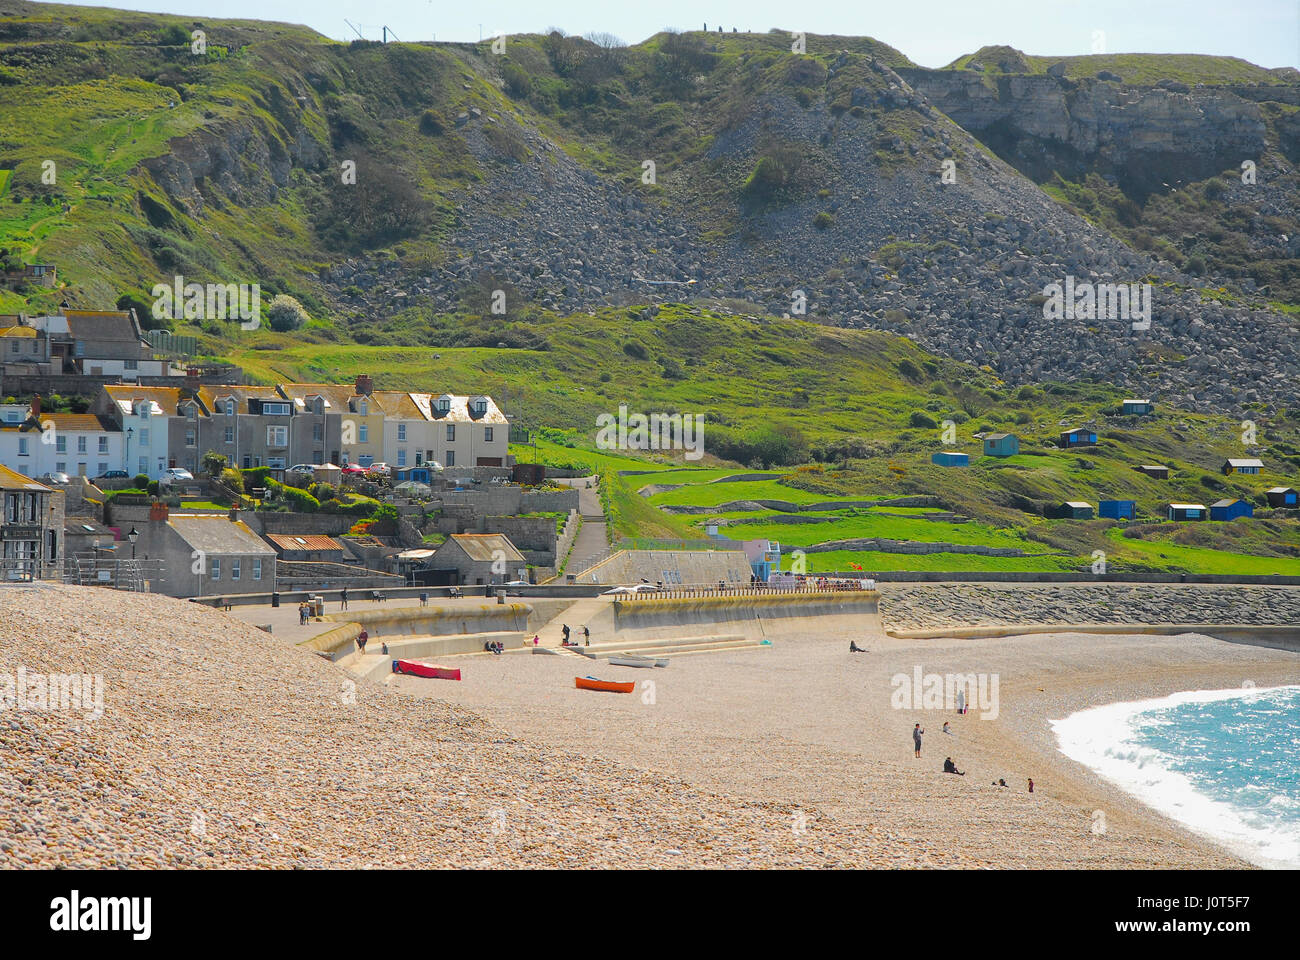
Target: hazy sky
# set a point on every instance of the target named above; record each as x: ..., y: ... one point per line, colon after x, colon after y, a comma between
x: 930, y: 32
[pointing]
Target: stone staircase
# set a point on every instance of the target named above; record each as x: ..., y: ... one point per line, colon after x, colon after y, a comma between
x: 673, y: 646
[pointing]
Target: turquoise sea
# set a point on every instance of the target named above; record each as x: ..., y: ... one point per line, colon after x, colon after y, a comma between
x: 1225, y: 763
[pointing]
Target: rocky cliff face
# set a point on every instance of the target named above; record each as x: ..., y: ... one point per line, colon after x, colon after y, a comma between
x: 960, y: 267
x: 1141, y: 136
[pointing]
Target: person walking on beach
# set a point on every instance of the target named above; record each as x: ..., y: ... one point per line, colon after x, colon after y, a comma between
x: 1031, y: 784
x: 343, y: 598
x: 304, y: 612
x: 586, y: 635
x: 565, y: 630
x: 961, y: 701
x: 362, y: 637
x: 916, y: 738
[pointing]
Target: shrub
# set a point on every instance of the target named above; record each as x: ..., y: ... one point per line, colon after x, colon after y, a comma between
x: 919, y: 419
x: 233, y: 480
x: 518, y: 83
x: 431, y: 124
x: 140, y: 481
x: 286, y: 314
x: 908, y: 369
x: 637, y: 350
x: 300, y: 500
x: 823, y: 221
x: 777, y: 172
x: 256, y: 477
x: 323, y: 492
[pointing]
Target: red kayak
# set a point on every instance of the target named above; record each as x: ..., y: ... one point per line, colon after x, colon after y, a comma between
x: 422, y: 668
x: 609, y: 686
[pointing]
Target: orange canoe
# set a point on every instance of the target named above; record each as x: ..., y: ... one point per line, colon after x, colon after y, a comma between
x: 591, y: 683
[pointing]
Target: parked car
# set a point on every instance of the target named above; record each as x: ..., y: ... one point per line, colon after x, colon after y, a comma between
x: 57, y: 477
x: 113, y: 475
x: 352, y: 470
x: 172, y: 474
x: 383, y: 469
x: 303, y: 468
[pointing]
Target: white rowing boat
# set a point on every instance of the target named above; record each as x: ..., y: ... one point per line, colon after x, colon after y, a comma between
x: 632, y: 660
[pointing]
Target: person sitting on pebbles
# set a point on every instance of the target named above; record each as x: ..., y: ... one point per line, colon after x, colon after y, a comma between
x: 950, y: 767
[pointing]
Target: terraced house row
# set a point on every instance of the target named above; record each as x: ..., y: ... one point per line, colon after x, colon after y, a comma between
x: 144, y: 429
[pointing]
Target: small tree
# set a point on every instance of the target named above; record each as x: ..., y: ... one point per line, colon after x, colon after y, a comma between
x: 285, y: 313
x: 214, y: 463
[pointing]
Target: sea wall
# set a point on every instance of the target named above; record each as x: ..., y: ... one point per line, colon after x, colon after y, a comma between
x: 752, y: 616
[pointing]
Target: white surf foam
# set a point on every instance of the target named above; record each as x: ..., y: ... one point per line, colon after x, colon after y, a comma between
x: 1103, y: 739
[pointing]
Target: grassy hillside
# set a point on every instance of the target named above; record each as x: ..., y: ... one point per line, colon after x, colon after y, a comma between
x: 1136, y: 68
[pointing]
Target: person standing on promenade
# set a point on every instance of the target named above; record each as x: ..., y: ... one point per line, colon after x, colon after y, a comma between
x: 362, y: 637
x: 586, y: 635
x: 343, y: 598
x: 916, y: 738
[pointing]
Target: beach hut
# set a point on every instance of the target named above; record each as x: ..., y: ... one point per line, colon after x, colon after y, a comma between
x: 1078, y: 437
x: 330, y: 473
x: 1242, y: 465
x: 951, y: 458
x: 1137, y: 408
x: 1230, y: 509
x: 1117, y: 509
x: 421, y: 474
x: 1155, y: 471
x: 1282, y: 497
x: 1001, y: 444
x: 1076, y: 510
x: 1186, y: 511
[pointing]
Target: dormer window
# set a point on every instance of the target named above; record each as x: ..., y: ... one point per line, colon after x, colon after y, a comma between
x: 363, y: 408
x: 480, y: 406
x: 230, y: 408
x: 320, y: 406
x: 444, y: 404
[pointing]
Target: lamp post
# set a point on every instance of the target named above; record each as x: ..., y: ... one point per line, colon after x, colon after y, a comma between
x: 133, y: 536
x: 126, y: 457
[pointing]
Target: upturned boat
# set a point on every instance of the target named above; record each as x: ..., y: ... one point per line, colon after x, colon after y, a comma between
x: 422, y: 668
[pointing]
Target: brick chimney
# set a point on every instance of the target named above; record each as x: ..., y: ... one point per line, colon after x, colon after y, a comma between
x: 158, y: 512
x: 192, y: 382
x: 36, y: 406
x: 365, y: 386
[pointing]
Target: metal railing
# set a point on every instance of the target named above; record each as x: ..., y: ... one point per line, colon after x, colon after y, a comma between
x: 690, y: 592
x: 119, y: 574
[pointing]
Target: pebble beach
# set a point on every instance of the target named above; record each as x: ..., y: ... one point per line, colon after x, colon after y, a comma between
x: 223, y: 746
